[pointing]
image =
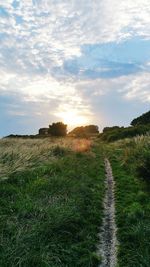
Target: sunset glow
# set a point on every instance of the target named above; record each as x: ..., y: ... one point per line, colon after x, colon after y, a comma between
x: 72, y: 118
x: 87, y: 62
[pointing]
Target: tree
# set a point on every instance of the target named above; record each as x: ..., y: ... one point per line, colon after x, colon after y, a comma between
x: 43, y: 131
x: 78, y: 130
x: 109, y: 129
x: 91, y: 129
x: 58, y: 129
x: 141, y: 120
x: 84, y: 131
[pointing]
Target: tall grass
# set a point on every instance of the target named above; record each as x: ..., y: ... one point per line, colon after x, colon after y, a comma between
x: 19, y: 154
x: 51, y: 203
x: 130, y: 161
x: 136, y: 156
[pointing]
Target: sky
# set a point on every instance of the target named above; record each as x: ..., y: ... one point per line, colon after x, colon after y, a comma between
x: 80, y: 62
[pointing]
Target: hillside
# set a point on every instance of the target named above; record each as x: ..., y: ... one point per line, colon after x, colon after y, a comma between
x: 140, y: 126
x: 142, y: 120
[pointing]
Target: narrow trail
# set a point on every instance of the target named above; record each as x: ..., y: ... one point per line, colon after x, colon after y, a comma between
x: 108, y: 245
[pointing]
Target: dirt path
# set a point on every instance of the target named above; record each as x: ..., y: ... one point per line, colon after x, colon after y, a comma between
x: 108, y: 245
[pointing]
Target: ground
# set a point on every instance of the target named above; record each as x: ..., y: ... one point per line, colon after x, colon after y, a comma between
x: 52, y: 192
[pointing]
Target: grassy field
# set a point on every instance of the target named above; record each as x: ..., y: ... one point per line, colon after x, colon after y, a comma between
x: 130, y: 162
x: 20, y: 154
x: 51, y: 202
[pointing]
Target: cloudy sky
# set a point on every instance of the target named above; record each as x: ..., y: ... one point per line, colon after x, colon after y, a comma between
x: 77, y: 61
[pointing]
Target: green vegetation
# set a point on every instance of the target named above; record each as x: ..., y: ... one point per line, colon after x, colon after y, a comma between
x: 50, y: 213
x: 111, y: 134
x: 52, y: 192
x: 85, y: 131
x: 129, y: 160
x: 140, y: 126
x: 57, y: 129
x: 137, y: 156
x: 142, y: 120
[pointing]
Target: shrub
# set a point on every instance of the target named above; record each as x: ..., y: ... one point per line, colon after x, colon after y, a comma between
x: 115, y: 133
x: 58, y: 129
x: 142, y: 120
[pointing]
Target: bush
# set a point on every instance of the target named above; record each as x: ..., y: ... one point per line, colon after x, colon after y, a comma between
x: 58, y: 129
x: 85, y: 131
x: 115, y: 133
x: 142, y: 120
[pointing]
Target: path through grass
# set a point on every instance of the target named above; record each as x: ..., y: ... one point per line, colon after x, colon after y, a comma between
x: 132, y: 203
x: 108, y: 244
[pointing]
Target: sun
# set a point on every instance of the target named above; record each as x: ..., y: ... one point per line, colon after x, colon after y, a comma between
x: 72, y: 118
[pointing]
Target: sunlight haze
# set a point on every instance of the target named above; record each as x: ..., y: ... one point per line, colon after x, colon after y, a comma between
x: 82, y: 62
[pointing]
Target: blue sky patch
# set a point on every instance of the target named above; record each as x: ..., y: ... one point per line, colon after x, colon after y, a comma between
x: 3, y: 12
x: 15, y: 4
x: 111, y: 59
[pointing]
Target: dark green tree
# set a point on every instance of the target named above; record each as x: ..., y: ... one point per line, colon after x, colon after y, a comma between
x: 91, y: 129
x: 57, y: 129
x: 85, y: 130
x: 109, y: 129
x: 78, y: 130
x: 142, y: 120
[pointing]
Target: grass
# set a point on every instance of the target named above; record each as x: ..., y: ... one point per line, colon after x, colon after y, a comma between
x: 51, y: 203
x: 132, y: 201
x: 20, y: 154
x: 52, y: 192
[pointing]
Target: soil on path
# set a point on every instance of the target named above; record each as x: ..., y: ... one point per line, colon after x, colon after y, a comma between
x: 108, y: 245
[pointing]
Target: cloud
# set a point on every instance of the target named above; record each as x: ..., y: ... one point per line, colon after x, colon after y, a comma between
x: 138, y: 88
x: 116, y: 101
x: 38, y: 36
x: 38, y: 101
x: 65, y: 55
x: 58, y: 28
x: 133, y: 87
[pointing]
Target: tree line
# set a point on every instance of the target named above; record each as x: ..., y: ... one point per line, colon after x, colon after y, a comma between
x: 60, y: 129
x: 139, y: 126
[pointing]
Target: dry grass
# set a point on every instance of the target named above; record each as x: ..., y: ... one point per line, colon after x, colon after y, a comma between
x: 142, y: 140
x: 18, y: 154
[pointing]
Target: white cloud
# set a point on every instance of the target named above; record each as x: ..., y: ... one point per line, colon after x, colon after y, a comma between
x: 138, y: 88
x: 131, y: 87
x: 42, y: 34
x: 39, y: 36
x: 44, y: 90
x: 59, y: 28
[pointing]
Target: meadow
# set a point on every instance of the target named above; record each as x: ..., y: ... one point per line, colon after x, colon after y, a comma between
x: 51, y: 202
x: 51, y: 205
